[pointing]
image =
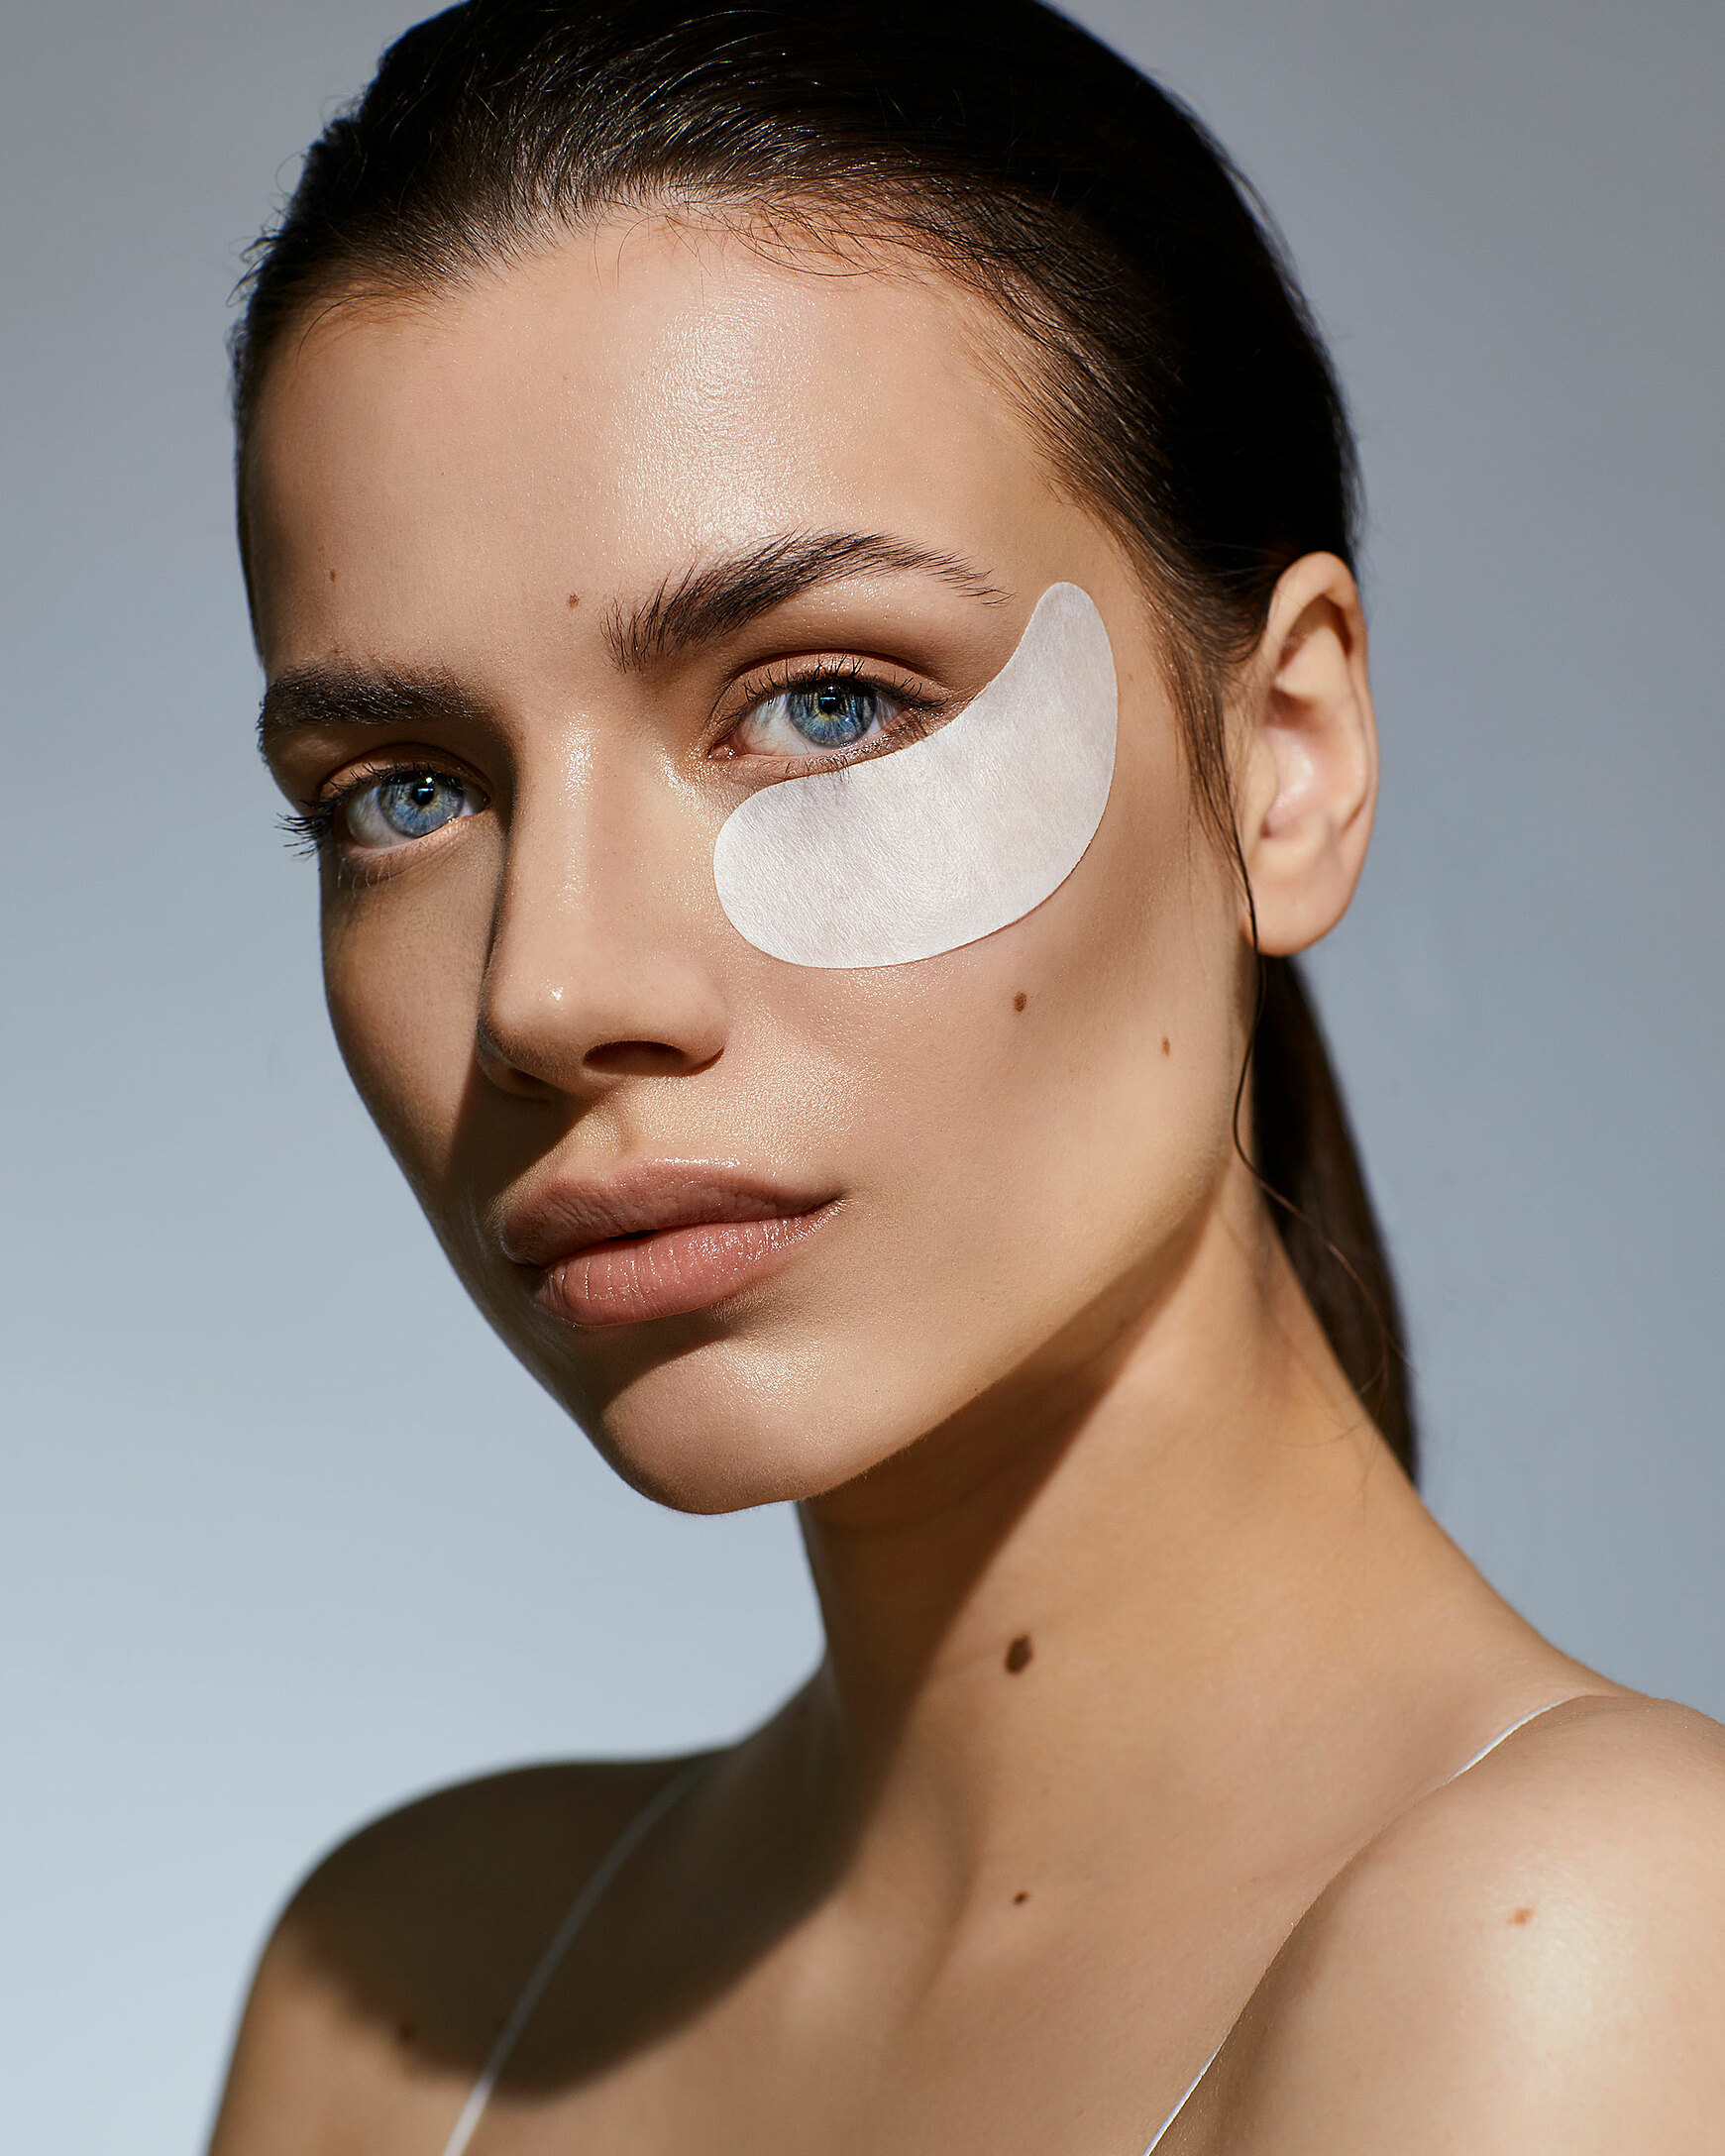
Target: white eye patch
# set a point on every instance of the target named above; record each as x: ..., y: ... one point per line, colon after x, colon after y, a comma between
x: 935, y: 846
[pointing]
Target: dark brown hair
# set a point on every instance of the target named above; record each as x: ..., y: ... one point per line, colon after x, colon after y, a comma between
x: 1176, y: 378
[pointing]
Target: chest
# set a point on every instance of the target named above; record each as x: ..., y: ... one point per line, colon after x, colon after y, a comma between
x: 1043, y: 2038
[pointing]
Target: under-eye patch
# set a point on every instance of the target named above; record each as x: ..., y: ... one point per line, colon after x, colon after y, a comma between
x: 932, y: 846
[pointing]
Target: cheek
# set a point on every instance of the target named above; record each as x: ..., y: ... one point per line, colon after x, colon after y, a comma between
x: 1009, y: 919
x: 1011, y: 1128
x: 402, y: 974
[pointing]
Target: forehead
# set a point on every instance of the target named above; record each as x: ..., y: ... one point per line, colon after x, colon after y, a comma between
x: 622, y: 401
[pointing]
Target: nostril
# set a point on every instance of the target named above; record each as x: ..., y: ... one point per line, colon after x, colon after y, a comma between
x: 638, y: 1059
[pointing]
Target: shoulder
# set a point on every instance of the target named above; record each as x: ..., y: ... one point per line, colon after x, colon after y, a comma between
x: 1531, y: 1958
x: 390, y: 1972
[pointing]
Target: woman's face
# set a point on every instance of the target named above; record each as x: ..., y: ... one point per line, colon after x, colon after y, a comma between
x: 552, y: 574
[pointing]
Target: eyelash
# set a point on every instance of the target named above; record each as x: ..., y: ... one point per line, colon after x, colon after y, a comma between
x: 309, y: 830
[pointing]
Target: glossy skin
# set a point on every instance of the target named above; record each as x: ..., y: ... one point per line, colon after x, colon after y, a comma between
x: 1041, y: 1375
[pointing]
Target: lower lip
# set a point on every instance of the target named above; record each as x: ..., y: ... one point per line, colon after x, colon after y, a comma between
x: 669, y: 1274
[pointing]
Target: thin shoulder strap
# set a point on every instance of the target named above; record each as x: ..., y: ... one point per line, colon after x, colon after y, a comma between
x: 1186, y: 2098
x: 1504, y: 1735
x: 1486, y: 1751
x: 580, y: 1909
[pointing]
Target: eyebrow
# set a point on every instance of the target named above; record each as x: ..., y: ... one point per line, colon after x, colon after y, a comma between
x: 707, y: 601
x: 716, y: 598
x: 324, y: 694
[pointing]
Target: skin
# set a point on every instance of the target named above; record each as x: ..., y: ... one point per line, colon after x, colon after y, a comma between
x: 1044, y: 1376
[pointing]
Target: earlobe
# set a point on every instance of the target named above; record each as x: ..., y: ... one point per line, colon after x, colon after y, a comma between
x: 1308, y: 773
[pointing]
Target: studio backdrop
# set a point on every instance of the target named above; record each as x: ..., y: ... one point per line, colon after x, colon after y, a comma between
x: 287, y: 1537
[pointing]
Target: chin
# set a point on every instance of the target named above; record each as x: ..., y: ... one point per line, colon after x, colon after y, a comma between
x: 725, y: 1423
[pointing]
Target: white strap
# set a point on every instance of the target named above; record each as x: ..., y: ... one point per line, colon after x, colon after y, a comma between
x: 583, y: 1906
x: 1504, y: 1735
x: 1186, y: 2098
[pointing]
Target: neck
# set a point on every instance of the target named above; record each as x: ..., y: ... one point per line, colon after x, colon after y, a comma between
x: 1134, y: 1553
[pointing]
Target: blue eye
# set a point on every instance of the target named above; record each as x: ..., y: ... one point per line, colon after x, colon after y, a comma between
x: 405, y: 806
x: 833, y: 714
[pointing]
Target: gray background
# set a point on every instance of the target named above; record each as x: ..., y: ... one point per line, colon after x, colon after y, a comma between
x: 285, y: 1537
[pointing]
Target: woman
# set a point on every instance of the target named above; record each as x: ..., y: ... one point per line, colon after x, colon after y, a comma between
x: 803, y: 561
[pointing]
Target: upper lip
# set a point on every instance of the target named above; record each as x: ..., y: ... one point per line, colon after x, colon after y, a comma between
x: 567, y: 1215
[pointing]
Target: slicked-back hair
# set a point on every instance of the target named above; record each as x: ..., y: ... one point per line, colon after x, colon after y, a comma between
x: 1147, y: 316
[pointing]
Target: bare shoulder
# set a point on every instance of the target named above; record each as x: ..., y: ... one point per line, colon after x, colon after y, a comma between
x: 392, y: 1968
x: 1530, y: 1959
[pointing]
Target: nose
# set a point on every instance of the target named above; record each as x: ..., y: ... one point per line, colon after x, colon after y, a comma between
x: 599, y: 967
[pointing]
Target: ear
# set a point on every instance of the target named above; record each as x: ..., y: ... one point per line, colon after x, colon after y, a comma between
x: 1308, y: 776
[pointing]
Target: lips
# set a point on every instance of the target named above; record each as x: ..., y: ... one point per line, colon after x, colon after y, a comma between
x: 659, y: 1239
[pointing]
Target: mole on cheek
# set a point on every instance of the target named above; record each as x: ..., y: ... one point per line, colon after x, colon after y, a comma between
x: 1166, y: 1049
x: 1023, y: 1896
x: 574, y: 600
x: 332, y: 575
x: 1522, y: 1916
x: 1019, y: 1655
x: 1020, y: 1000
